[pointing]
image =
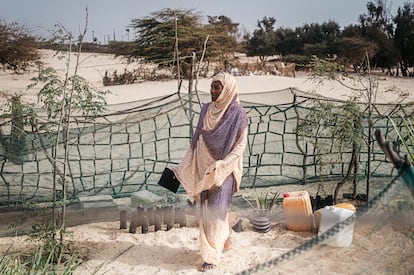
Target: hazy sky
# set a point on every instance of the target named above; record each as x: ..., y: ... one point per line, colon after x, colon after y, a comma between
x: 107, y: 17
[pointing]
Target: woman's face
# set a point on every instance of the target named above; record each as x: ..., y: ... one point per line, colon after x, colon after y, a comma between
x: 215, y: 90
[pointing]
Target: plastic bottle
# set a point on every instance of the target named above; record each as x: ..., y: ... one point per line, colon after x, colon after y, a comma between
x: 331, y: 216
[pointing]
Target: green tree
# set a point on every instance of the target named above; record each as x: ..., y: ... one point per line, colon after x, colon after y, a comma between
x: 18, y: 48
x: 352, y: 30
x: 330, y: 30
x: 312, y: 33
x: 157, y: 34
x: 263, y: 41
x: 60, y: 98
x: 223, y: 35
x: 288, y: 41
x: 351, y: 51
x: 376, y: 26
x: 170, y: 37
x: 348, y: 129
x: 318, y: 39
x: 121, y: 48
x: 404, y: 36
x: 352, y: 47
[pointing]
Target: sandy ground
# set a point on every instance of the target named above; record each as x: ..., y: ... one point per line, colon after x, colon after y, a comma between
x: 93, y: 67
x: 380, y: 245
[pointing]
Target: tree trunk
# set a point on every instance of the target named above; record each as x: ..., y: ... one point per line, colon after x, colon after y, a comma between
x: 352, y: 163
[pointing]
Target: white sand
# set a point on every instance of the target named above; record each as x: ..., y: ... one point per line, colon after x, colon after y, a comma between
x: 93, y: 66
x: 378, y: 247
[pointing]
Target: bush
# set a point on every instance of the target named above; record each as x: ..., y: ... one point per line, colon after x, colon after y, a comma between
x: 18, y: 48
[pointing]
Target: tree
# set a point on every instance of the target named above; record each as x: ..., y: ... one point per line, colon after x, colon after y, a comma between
x: 157, y: 35
x: 60, y: 98
x: 376, y: 26
x: 263, y: 40
x: 351, y: 31
x: 18, y: 48
x: 404, y: 36
x: 312, y: 33
x: 223, y: 35
x: 170, y: 36
x: 330, y: 30
x: 318, y: 39
x: 288, y: 41
x: 121, y: 48
x: 352, y: 47
x: 378, y: 18
x: 352, y: 50
x: 347, y: 130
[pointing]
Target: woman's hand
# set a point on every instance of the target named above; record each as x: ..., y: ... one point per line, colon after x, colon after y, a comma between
x: 210, y: 169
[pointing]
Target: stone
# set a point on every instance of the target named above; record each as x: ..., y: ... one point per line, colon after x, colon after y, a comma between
x: 145, y: 199
x: 96, y: 201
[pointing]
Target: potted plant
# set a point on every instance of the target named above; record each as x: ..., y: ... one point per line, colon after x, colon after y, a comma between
x: 260, y: 219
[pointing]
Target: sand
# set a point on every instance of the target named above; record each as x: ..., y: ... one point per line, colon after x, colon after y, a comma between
x: 93, y: 67
x: 380, y: 245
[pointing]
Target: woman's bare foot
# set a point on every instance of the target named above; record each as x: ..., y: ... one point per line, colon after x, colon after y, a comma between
x: 206, y: 266
x: 227, y: 244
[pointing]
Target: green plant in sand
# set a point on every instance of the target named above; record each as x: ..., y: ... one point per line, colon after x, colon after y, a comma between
x: 61, y: 99
x: 266, y: 201
x: 327, y: 126
x: 41, y: 252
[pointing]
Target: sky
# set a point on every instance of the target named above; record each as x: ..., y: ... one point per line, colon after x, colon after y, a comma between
x: 107, y: 18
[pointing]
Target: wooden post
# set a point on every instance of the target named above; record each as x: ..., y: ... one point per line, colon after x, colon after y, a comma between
x: 180, y: 216
x: 151, y: 216
x: 157, y: 218
x: 169, y: 217
x: 144, y: 221
x: 123, y: 219
x: 134, y: 223
x: 190, y: 93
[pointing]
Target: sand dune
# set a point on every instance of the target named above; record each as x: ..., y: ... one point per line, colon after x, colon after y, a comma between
x: 93, y: 67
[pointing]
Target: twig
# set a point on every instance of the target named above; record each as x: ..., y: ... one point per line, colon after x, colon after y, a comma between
x: 199, y: 67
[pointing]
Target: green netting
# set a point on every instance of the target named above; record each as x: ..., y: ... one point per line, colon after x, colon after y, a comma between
x: 127, y: 148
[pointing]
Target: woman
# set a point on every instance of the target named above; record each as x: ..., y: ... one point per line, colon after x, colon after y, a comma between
x: 211, y: 169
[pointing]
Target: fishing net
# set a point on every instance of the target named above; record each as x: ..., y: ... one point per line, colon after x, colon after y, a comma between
x: 125, y: 149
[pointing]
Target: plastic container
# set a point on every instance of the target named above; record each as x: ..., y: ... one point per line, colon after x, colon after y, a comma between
x: 346, y: 205
x: 298, y: 212
x: 332, y: 215
x: 317, y: 213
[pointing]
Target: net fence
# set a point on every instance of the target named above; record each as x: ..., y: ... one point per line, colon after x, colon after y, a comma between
x: 125, y: 149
